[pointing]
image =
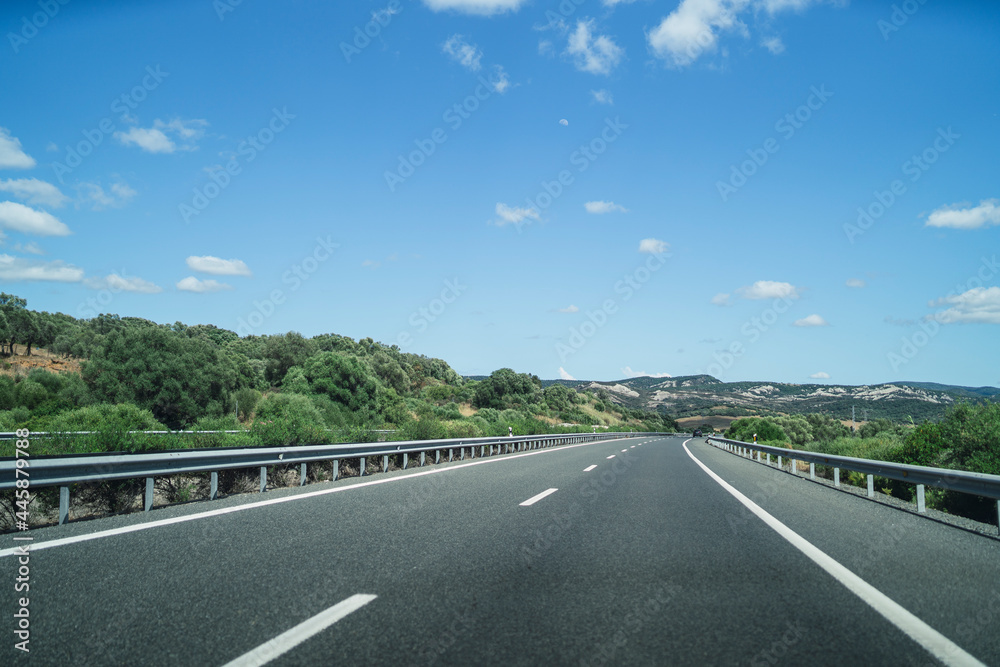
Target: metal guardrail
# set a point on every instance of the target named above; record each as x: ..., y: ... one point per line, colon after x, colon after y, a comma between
x: 62, y: 471
x: 973, y: 483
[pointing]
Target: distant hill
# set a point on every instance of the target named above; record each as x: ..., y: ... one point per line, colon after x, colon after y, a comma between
x: 705, y: 395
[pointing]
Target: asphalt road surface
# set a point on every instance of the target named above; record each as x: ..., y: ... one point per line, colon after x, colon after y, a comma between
x: 624, y: 552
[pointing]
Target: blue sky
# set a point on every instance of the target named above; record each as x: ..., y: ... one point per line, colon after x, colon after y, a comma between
x: 787, y: 190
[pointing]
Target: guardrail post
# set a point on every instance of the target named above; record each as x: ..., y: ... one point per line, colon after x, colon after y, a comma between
x: 302, y: 474
x: 769, y: 458
x: 364, y: 463
x: 63, y: 504
x: 871, y: 486
x: 812, y: 471
x: 437, y: 456
x: 836, y: 476
x: 482, y: 450
x: 461, y: 453
x: 920, y: 499
x: 406, y: 459
x: 780, y: 465
x: 385, y: 462
x: 213, y: 487
x: 450, y: 456
x: 758, y: 456
x: 792, y: 467
x: 336, y: 470
x: 263, y: 479
x: 148, y: 500
x: 423, y: 458
x: 998, y: 516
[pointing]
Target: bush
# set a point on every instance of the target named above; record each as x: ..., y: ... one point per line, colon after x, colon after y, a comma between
x: 766, y: 430
x: 288, y: 419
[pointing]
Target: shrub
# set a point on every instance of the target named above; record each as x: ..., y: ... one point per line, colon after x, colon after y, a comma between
x: 288, y: 419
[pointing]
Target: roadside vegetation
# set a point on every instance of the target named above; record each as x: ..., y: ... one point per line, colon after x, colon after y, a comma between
x: 966, y: 438
x: 121, y: 375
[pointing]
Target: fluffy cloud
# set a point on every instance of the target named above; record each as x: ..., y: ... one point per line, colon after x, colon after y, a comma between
x: 595, y: 54
x: 477, y: 7
x: 465, y: 54
x: 812, y: 321
x: 986, y: 214
x: 12, y: 156
x: 629, y: 373
x: 653, y: 246
x: 217, y: 266
x: 118, y: 283
x: 855, y: 282
x: 602, y: 96
x: 980, y: 305
x: 722, y: 299
x: 820, y: 376
x: 599, y: 207
x: 21, y: 218
x: 165, y: 137
x: 569, y: 309
x: 34, y: 192
x: 513, y: 215
x: 16, y: 269
x: 500, y: 79
x: 695, y: 26
x: 768, y: 289
x: 564, y: 375
x: 192, y: 284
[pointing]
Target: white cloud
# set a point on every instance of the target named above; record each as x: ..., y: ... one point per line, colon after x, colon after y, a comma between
x: 115, y: 282
x: 545, y: 48
x: 855, y: 282
x: 20, y: 269
x: 980, y: 305
x: 597, y: 55
x: 163, y: 137
x: 513, y: 215
x: 774, y: 45
x: 192, y: 284
x: 602, y: 96
x: 383, y: 15
x: 986, y: 214
x: 94, y: 195
x: 629, y: 373
x: 371, y: 264
x: 820, y: 376
x: 695, y: 26
x: 465, y: 54
x: 500, y: 79
x: 690, y: 30
x: 768, y: 289
x: 564, y: 122
x: 653, y: 246
x: 722, y: 299
x: 218, y: 267
x: 811, y: 321
x: 150, y: 140
x: 12, y: 156
x: 34, y: 191
x: 21, y: 218
x: 477, y: 7
x: 599, y: 207
x: 569, y: 309
x: 564, y: 375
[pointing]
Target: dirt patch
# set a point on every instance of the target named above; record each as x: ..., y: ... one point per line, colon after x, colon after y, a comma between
x: 20, y: 365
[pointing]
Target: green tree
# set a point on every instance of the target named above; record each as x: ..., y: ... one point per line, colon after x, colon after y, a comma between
x: 506, y: 389
x: 344, y: 379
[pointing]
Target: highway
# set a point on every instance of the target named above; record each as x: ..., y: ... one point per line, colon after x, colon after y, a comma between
x: 624, y: 552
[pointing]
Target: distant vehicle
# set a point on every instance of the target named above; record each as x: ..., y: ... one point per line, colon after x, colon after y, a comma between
x: 697, y: 433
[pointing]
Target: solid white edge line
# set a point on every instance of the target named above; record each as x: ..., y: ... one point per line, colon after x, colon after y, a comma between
x: 930, y: 639
x: 589, y: 468
x: 534, y: 499
x: 76, y: 539
x: 288, y: 640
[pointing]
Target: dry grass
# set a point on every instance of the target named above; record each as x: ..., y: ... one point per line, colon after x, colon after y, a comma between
x: 19, y: 364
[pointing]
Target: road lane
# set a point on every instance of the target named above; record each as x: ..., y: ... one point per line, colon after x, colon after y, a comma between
x: 642, y: 560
